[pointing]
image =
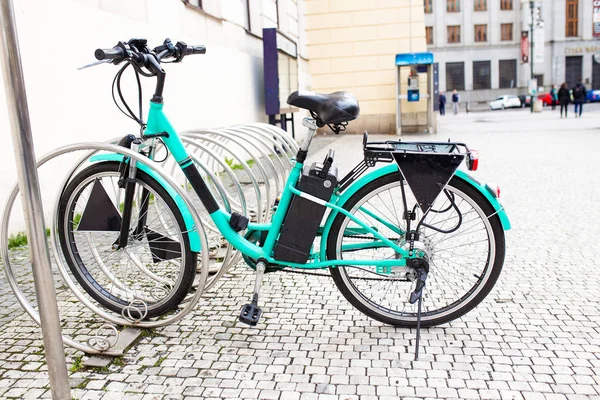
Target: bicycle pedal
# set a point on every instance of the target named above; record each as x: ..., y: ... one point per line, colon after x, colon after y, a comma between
x: 250, y: 314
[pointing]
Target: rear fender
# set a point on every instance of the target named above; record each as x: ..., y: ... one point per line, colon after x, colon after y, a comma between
x: 190, y: 225
x: 341, y: 198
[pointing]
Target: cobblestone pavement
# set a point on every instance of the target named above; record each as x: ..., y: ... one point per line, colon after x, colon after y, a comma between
x: 535, y: 336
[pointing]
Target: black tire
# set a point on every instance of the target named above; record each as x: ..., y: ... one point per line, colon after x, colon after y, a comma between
x: 91, y: 275
x: 438, y: 313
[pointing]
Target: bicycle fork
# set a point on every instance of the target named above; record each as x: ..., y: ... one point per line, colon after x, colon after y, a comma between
x: 129, y: 181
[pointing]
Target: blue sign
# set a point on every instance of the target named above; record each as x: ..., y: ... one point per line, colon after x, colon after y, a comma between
x: 414, y: 58
x: 413, y: 94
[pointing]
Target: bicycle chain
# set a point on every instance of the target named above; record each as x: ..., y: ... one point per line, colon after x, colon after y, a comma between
x: 356, y: 278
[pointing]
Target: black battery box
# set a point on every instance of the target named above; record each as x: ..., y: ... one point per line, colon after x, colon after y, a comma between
x: 304, y: 217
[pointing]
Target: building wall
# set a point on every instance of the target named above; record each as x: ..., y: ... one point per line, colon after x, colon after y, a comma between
x: 556, y: 45
x: 222, y: 87
x: 351, y: 47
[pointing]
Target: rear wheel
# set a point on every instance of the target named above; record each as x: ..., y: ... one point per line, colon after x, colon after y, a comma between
x: 464, y: 264
x: 154, y: 272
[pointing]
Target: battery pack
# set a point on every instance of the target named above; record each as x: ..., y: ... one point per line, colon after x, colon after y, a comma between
x: 303, y: 218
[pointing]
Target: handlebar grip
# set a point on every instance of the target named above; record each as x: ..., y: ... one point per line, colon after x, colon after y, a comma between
x: 195, y: 50
x: 109, y: 54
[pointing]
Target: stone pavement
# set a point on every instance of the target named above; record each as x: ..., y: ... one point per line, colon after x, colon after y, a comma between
x: 536, y: 336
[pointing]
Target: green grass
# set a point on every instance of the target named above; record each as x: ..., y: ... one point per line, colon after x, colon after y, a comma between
x: 159, y: 361
x: 76, y: 220
x: 122, y: 206
x: 18, y: 240
x: 77, y: 364
x: 232, y: 164
x: 47, y: 232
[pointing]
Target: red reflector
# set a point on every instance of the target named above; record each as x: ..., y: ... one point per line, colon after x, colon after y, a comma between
x: 473, y: 160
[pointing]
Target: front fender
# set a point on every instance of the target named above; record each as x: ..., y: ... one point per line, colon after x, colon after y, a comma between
x: 341, y: 198
x: 183, y: 209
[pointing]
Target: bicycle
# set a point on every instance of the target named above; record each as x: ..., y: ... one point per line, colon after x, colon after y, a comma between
x: 389, y: 234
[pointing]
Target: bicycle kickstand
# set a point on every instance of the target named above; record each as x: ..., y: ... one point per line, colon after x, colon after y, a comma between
x: 417, y: 295
x: 251, y: 313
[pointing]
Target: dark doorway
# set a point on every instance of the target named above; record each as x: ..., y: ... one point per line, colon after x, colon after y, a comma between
x: 595, y: 75
x: 573, y: 69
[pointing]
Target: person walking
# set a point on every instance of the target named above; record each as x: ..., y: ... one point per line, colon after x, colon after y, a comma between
x: 554, y: 96
x: 564, y: 98
x: 442, y: 103
x: 579, y: 96
x: 455, y: 101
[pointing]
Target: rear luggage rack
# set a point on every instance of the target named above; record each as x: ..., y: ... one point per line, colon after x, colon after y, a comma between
x: 383, y: 151
x: 390, y: 150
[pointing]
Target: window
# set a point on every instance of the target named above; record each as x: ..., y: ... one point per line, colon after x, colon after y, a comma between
x: 480, y: 5
x: 455, y: 76
x: 429, y: 34
x: 506, y: 31
x: 572, y: 18
x: 482, y: 75
x: 506, y: 5
x: 481, y: 33
x: 428, y: 6
x: 507, y: 70
x: 453, y: 5
x: 454, y: 34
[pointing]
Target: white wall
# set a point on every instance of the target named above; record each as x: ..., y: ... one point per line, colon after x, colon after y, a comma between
x: 222, y: 87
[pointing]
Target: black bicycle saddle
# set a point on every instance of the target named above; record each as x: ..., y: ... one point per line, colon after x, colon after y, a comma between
x: 333, y: 108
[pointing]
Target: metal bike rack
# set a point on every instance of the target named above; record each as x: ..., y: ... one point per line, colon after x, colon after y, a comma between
x: 103, y: 344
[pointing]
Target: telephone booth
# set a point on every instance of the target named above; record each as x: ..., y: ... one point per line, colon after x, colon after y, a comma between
x: 416, y: 81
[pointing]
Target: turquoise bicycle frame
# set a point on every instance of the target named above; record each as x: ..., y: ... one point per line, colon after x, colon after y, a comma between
x: 159, y: 126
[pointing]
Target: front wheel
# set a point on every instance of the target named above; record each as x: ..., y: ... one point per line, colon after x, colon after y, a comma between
x: 464, y: 264
x: 154, y: 272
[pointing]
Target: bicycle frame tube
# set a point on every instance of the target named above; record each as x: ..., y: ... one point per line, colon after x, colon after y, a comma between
x: 159, y: 124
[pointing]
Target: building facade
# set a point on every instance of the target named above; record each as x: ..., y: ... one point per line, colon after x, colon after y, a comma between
x: 477, y: 45
x: 222, y: 87
x: 352, y: 46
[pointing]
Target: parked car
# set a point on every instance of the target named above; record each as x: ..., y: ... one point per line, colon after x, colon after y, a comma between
x: 525, y: 100
x: 506, y: 101
x: 546, y: 98
x: 593, y: 96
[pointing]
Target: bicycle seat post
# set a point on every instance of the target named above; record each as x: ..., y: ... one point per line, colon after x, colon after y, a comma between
x: 311, y: 124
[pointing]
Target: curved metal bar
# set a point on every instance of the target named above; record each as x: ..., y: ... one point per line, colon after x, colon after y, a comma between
x: 147, y: 324
x: 280, y: 133
x: 260, y: 215
x: 214, y: 150
x: 283, y: 150
x: 259, y: 164
x: 279, y: 172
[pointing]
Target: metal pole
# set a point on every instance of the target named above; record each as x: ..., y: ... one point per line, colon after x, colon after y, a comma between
x: 32, y: 203
x: 531, y: 6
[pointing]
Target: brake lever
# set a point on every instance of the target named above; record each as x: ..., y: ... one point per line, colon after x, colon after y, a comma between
x: 94, y: 64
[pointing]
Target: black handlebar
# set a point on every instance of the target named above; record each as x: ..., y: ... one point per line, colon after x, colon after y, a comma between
x: 195, y: 50
x: 109, y: 54
x: 137, y: 51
